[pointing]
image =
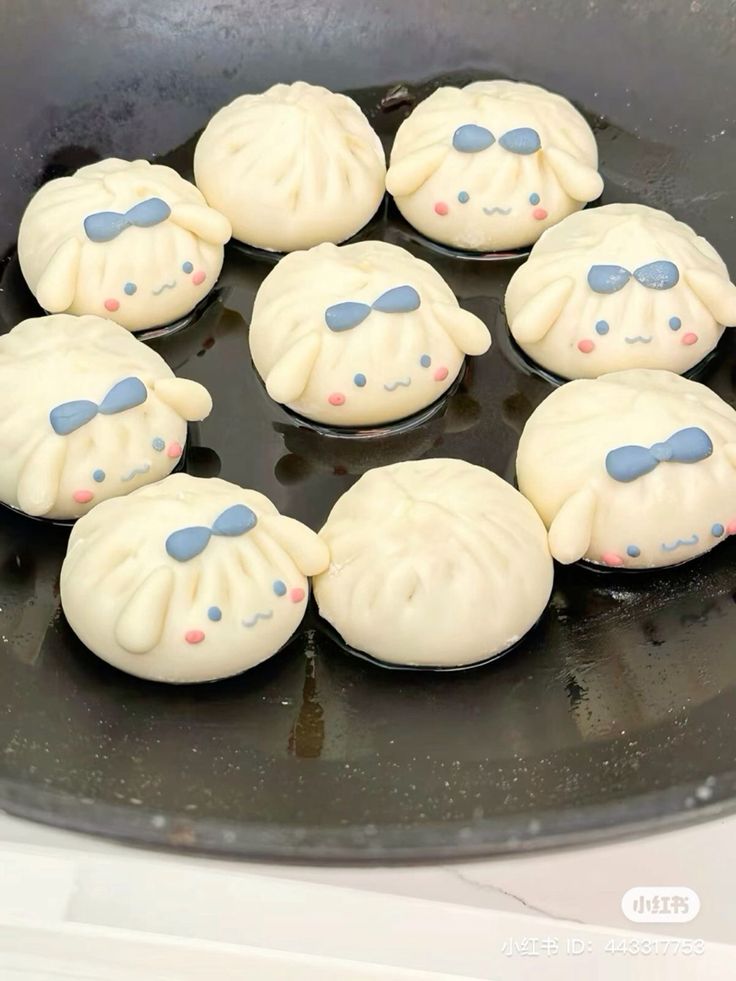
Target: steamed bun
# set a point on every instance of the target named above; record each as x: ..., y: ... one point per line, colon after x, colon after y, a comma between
x: 87, y: 412
x: 634, y: 469
x: 131, y: 241
x: 191, y: 579
x: 291, y: 167
x: 490, y: 166
x: 623, y: 286
x: 433, y: 563
x: 361, y: 334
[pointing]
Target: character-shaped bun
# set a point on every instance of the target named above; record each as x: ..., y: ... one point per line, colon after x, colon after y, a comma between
x: 634, y: 469
x: 360, y: 334
x: 87, y: 412
x: 131, y: 241
x: 190, y: 579
x: 433, y: 563
x: 623, y: 286
x: 291, y: 167
x: 490, y: 166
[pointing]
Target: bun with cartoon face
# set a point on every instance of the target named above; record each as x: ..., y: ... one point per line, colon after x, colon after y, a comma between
x: 191, y: 579
x: 291, y: 167
x: 434, y: 563
x: 131, y: 241
x: 361, y: 334
x: 488, y: 167
x: 87, y: 412
x: 636, y: 469
x: 618, y: 287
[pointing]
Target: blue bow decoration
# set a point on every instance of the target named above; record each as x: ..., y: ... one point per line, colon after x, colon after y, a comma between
x: 69, y: 416
x: 628, y: 463
x: 345, y: 316
x: 472, y: 138
x: 187, y: 543
x: 103, y: 226
x: 658, y: 275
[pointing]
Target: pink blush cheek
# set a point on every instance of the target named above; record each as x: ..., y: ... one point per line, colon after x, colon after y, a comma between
x: 441, y: 208
x: 539, y: 213
x: 297, y: 594
x: 586, y: 346
x: 199, y: 277
x: 612, y: 559
x: 112, y: 305
x: 174, y: 450
x: 731, y: 527
x: 441, y: 374
x: 194, y: 636
x: 336, y: 398
x: 689, y: 339
x: 82, y: 496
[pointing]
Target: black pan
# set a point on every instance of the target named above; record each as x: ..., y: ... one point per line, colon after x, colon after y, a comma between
x: 616, y: 714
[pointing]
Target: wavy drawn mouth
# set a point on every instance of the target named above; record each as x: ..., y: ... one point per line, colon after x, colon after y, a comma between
x: 680, y: 541
x: 164, y: 286
x: 144, y: 468
x: 392, y: 386
x: 497, y: 211
x: 258, y: 616
x: 639, y: 339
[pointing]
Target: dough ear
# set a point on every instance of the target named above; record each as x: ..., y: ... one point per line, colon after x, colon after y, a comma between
x: 58, y: 283
x: 38, y: 484
x: 187, y: 398
x: 536, y: 317
x: 571, y: 530
x: 204, y: 222
x: 141, y: 622
x: 715, y: 292
x: 467, y: 331
x: 579, y: 180
x: 407, y: 175
x: 730, y: 450
x: 288, y: 378
x: 309, y: 552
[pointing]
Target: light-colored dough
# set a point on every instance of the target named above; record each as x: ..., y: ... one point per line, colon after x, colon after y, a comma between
x: 291, y: 167
x: 668, y: 315
x: 389, y: 365
x: 490, y: 197
x: 231, y: 598
x: 433, y: 563
x: 48, y: 362
x: 142, y: 266
x: 639, y: 508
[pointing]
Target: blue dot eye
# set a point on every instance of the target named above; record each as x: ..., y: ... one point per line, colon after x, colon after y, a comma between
x: 717, y: 530
x: 158, y: 444
x: 187, y: 266
x: 130, y: 288
x: 463, y: 197
x: 425, y: 361
x: 359, y: 379
x: 634, y: 551
x: 534, y: 198
x: 675, y: 323
x: 602, y: 327
x: 98, y: 476
x: 214, y: 613
x: 279, y: 588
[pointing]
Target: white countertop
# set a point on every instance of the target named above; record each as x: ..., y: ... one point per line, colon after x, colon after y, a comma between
x: 71, y: 899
